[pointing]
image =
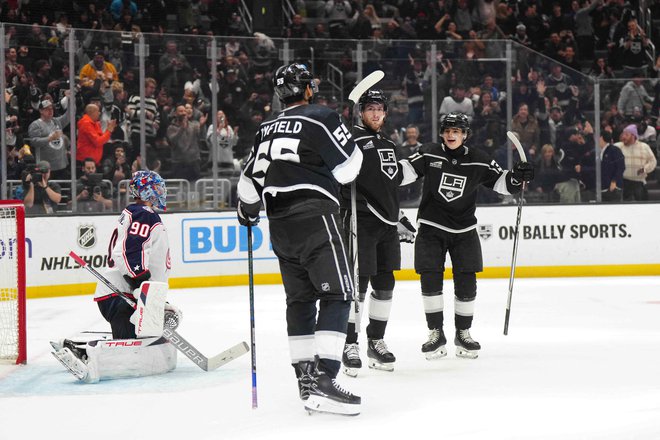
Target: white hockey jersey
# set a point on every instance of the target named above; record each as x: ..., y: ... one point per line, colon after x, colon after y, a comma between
x: 138, y: 243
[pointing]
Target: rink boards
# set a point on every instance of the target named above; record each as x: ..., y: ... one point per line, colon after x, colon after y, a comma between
x: 210, y: 249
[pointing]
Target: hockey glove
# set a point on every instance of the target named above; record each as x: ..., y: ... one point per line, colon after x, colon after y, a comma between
x: 244, y: 218
x: 406, y: 229
x: 134, y: 283
x: 523, y: 172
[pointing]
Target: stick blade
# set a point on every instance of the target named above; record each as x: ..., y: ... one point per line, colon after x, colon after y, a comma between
x: 368, y: 82
x: 228, y: 355
x: 514, y: 140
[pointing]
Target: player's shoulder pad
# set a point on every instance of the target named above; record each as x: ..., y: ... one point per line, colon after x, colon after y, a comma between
x: 143, y: 214
x: 477, y: 155
x: 430, y: 148
x: 312, y: 111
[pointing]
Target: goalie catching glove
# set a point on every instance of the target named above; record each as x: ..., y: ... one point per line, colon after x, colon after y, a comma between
x: 406, y: 229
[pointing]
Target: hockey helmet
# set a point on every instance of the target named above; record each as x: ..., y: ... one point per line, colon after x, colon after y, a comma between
x: 291, y: 81
x: 456, y: 120
x: 373, y: 96
x: 150, y: 187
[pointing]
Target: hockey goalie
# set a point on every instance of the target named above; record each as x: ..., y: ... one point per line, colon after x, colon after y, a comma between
x: 138, y: 264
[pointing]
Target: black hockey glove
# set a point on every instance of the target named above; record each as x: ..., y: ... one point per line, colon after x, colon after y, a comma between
x: 134, y: 283
x: 406, y: 229
x: 244, y: 218
x: 523, y: 172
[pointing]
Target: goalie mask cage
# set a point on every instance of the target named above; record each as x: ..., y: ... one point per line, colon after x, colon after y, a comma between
x: 13, y: 338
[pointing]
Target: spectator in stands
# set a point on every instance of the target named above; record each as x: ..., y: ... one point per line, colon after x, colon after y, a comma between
x: 118, y: 8
x: 634, y: 95
x: 47, y: 138
x: 521, y: 37
x: 297, y: 29
x: 457, y: 102
x: 174, y: 69
x: 40, y: 195
x: 151, y: 118
x: 13, y: 70
x: 612, y: 165
x: 528, y: 131
x: 584, y: 29
x: 246, y: 132
x: 337, y: 13
x: 632, y: 48
x: 409, y: 195
x: 547, y: 175
x: 92, y: 194
x: 601, y: 69
x: 225, y: 140
x: 99, y: 69
x: 91, y: 138
x: 463, y: 17
x: 571, y: 154
x: 43, y: 79
x: 117, y: 167
x: 559, y: 85
x: 233, y: 92
x: 183, y: 136
x: 487, y: 123
x: 639, y: 160
x: 413, y: 83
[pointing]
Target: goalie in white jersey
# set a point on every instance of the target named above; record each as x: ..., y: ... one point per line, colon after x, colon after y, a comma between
x: 138, y: 252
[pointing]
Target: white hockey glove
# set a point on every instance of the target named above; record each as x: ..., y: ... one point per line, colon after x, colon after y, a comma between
x: 406, y: 229
x: 173, y: 316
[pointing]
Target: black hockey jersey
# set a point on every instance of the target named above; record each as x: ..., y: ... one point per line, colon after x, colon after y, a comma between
x: 379, y: 178
x: 303, y: 153
x: 452, y: 177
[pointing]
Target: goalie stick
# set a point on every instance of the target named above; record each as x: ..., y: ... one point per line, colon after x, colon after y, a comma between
x: 368, y: 82
x: 512, y: 137
x: 185, y: 347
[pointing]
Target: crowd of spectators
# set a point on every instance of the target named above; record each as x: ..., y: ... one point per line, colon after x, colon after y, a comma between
x: 552, y: 85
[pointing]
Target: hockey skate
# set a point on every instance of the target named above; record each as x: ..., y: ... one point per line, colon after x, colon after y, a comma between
x: 323, y: 394
x: 380, y: 358
x: 350, y: 359
x: 435, y: 348
x: 72, y: 363
x: 466, y: 347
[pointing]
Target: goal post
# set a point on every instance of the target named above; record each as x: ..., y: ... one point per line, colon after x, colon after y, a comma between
x: 13, y: 335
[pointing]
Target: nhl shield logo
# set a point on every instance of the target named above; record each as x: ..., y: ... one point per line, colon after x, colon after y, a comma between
x: 86, y: 236
x: 388, y: 163
x: 485, y: 231
x: 451, y: 186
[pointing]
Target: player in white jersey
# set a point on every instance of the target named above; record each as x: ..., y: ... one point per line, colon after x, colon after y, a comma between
x: 138, y: 252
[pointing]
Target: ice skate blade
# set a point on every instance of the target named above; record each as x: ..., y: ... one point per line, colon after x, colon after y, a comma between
x: 466, y: 354
x: 437, y: 354
x: 320, y: 404
x: 374, y: 364
x: 78, y: 369
x: 350, y: 372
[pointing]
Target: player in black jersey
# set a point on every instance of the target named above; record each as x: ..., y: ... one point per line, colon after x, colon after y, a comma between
x: 299, y: 159
x: 378, y: 215
x: 447, y: 224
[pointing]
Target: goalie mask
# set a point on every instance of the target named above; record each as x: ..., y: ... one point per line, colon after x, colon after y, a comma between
x: 456, y: 120
x: 291, y: 82
x: 149, y: 187
x: 375, y: 96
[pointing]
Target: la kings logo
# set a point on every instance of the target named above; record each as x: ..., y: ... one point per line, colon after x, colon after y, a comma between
x: 451, y: 186
x: 485, y: 231
x: 86, y: 236
x: 388, y: 163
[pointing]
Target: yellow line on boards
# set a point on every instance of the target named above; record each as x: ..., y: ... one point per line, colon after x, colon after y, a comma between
x: 34, y: 292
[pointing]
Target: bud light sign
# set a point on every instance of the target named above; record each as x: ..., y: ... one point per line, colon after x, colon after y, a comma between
x: 223, y: 239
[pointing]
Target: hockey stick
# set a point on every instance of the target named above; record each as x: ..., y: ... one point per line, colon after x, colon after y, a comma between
x: 361, y: 87
x: 185, y: 347
x: 512, y: 137
x: 252, y: 334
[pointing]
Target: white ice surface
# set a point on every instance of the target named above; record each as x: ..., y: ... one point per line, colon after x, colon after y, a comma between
x: 581, y: 361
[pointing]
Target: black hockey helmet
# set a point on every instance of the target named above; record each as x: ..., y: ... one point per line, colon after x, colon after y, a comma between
x: 373, y: 96
x: 291, y: 81
x: 456, y: 120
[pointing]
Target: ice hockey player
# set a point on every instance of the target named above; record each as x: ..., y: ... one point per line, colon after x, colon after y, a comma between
x: 139, y: 264
x: 378, y: 220
x: 447, y: 224
x: 298, y: 160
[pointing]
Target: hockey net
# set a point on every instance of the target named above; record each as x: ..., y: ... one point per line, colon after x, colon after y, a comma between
x: 12, y: 282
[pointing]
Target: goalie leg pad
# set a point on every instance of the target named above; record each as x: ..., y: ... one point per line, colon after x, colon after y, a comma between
x: 122, y: 358
x: 149, y: 314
